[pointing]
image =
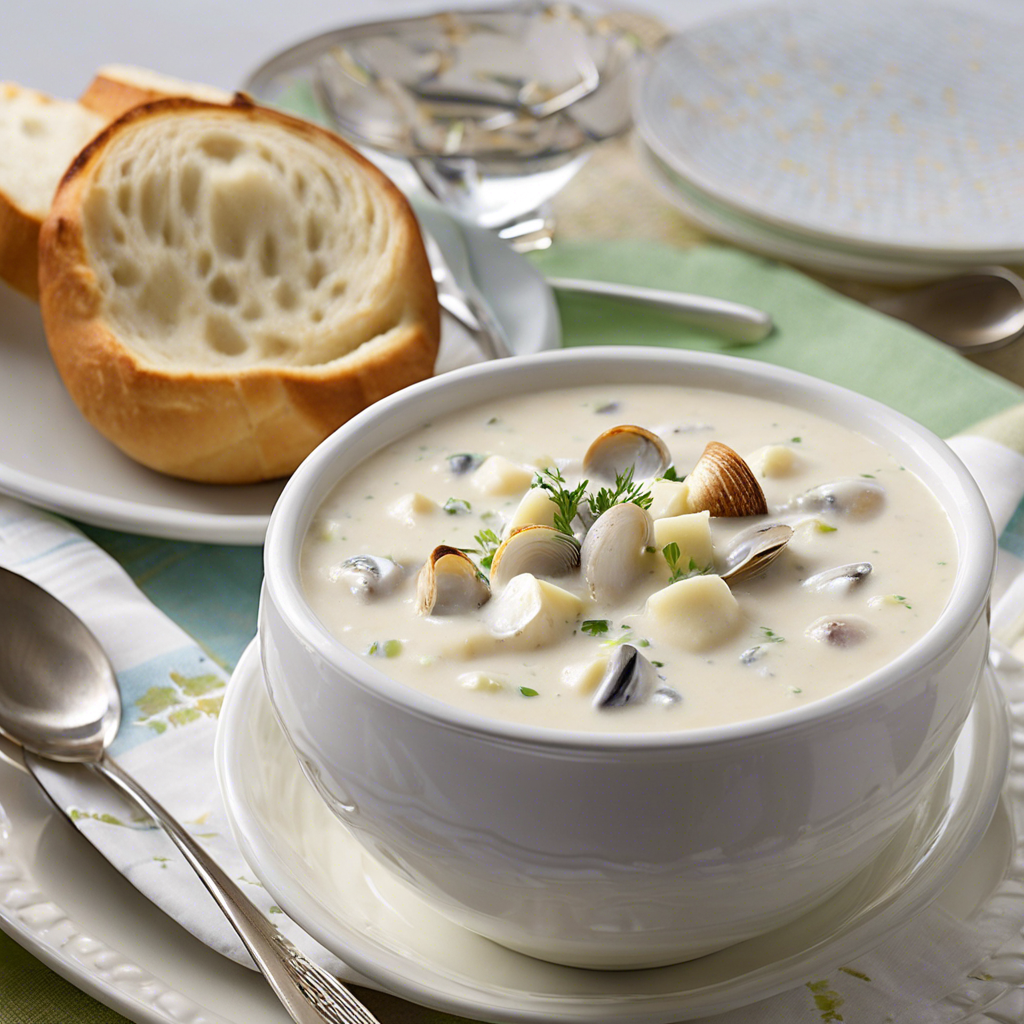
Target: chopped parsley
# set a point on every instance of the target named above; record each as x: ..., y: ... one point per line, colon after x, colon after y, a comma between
x: 385, y: 648
x: 457, y: 507
x: 824, y: 527
x: 595, y: 627
x: 771, y: 637
x: 671, y: 474
x: 528, y: 691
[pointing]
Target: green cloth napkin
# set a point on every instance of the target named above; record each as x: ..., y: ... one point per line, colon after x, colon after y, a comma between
x: 817, y: 330
x: 213, y: 591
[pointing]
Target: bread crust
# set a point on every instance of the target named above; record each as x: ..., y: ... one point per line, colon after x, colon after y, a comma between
x: 219, y: 425
x: 112, y: 92
x: 19, y: 248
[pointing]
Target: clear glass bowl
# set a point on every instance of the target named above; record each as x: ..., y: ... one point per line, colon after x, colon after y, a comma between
x: 495, y: 110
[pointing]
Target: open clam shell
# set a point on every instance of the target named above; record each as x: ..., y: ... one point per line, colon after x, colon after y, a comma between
x: 449, y: 583
x: 538, y: 550
x: 368, y: 576
x: 613, y: 549
x: 840, y: 579
x: 628, y: 679
x: 856, y: 497
x: 723, y: 484
x: 616, y: 450
x: 754, y: 550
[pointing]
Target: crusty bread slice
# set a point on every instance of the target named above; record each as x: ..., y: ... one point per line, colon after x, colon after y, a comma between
x: 39, y: 137
x: 223, y: 286
x: 117, y: 88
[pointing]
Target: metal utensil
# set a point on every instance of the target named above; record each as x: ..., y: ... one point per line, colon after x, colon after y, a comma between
x: 459, y: 297
x: 732, y: 319
x: 977, y: 311
x: 59, y: 699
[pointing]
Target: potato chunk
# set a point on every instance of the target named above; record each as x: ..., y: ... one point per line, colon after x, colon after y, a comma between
x: 500, y: 476
x: 773, y: 460
x: 411, y: 507
x: 536, y: 509
x: 668, y: 498
x: 533, y: 613
x: 695, y: 614
x: 692, y: 532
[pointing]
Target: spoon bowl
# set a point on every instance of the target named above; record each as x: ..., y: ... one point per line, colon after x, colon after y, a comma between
x: 977, y: 311
x: 58, y: 693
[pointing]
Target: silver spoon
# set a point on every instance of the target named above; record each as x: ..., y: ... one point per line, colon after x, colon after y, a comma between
x: 59, y: 699
x: 753, y: 551
x: 977, y: 311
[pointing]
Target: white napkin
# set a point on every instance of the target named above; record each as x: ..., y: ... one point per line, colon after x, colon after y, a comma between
x: 172, y: 691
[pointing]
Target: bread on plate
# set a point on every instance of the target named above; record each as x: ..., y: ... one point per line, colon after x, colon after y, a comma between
x: 223, y: 286
x: 39, y: 137
x: 116, y: 88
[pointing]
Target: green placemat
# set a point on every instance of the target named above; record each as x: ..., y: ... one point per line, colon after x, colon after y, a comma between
x: 213, y: 591
x: 817, y: 330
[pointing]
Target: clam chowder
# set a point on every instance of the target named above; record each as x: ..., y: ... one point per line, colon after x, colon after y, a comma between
x: 627, y: 558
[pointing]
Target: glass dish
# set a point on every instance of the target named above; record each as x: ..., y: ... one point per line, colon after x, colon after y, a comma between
x: 494, y: 110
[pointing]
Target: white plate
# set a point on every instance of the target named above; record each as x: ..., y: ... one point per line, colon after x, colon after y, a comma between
x: 51, y: 457
x: 760, y: 237
x: 319, y: 876
x: 887, y: 124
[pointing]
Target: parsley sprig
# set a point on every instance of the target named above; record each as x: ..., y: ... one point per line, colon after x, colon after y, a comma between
x: 624, y: 491
x: 568, y: 502
x: 679, y: 572
x: 488, y: 542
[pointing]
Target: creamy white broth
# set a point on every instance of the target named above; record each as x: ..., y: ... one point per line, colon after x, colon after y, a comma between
x: 393, y: 506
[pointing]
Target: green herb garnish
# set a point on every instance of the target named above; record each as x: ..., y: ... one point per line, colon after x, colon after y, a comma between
x: 457, y: 507
x: 671, y: 474
x: 671, y: 552
x: 568, y: 502
x: 771, y: 637
x: 624, y: 491
x: 595, y: 627
x: 488, y: 542
x: 385, y: 649
x: 527, y: 691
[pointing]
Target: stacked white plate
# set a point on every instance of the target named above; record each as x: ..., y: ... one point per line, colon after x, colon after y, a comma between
x: 882, y: 140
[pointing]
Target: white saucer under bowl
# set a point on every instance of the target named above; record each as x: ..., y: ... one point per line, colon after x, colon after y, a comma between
x: 319, y: 875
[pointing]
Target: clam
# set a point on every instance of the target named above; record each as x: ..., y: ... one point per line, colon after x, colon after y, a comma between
x: 449, y: 583
x: 754, y: 550
x: 856, y: 497
x: 368, y: 576
x: 838, y: 632
x: 611, y: 557
x: 840, y: 579
x: 627, y: 680
x: 538, y: 550
x: 464, y: 462
x: 623, y: 447
x: 723, y: 484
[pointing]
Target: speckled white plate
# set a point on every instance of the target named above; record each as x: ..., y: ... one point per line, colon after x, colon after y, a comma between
x: 320, y: 877
x: 759, y: 237
x: 51, y: 457
x: 887, y: 125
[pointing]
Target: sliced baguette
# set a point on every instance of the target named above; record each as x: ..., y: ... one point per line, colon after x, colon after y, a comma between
x: 39, y: 137
x: 117, y: 88
x: 223, y: 286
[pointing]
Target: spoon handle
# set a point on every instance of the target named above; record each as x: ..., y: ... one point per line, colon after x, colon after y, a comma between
x: 308, y: 993
x: 732, y: 319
